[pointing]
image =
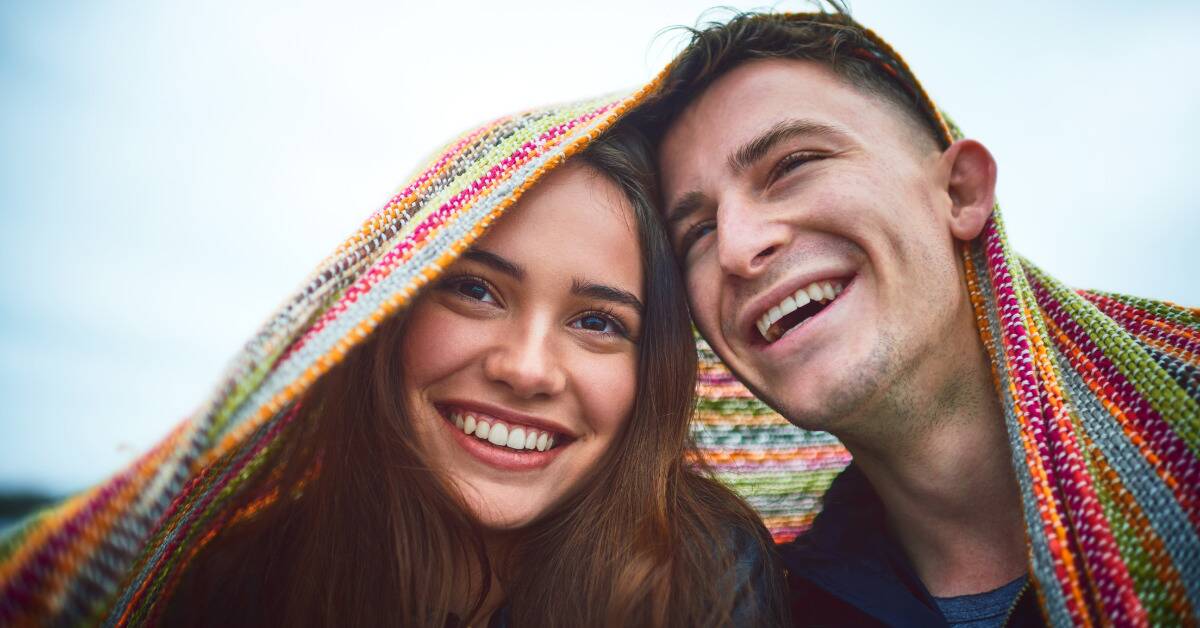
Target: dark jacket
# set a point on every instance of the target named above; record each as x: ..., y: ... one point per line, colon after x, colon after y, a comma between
x: 848, y: 570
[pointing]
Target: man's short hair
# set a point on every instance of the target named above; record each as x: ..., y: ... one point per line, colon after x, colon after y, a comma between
x: 835, y: 40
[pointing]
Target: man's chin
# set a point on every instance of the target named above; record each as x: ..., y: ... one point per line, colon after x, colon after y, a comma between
x: 802, y: 406
x: 813, y: 418
x: 833, y: 405
x: 832, y: 393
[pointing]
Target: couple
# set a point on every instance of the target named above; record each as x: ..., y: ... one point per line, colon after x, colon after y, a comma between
x: 476, y: 411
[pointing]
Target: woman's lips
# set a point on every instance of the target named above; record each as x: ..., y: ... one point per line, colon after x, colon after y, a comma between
x: 501, y: 444
x: 501, y: 433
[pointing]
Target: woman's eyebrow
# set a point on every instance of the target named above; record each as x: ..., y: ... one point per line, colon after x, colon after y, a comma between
x: 606, y: 293
x: 487, y: 258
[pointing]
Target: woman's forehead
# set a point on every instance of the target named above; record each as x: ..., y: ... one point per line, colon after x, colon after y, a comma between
x: 574, y: 223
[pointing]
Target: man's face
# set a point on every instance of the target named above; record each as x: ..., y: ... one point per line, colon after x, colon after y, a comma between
x: 811, y: 221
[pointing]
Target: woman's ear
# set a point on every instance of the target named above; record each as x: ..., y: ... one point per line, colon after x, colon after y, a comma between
x: 971, y: 185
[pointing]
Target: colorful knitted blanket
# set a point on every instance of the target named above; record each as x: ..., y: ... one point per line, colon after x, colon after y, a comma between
x: 1101, y: 397
x: 1100, y: 394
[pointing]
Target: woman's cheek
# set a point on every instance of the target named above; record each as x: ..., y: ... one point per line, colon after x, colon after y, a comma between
x: 436, y: 341
x: 611, y: 391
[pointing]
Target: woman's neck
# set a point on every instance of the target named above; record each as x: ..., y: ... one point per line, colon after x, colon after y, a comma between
x: 498, y: 547
x: 491, y: 604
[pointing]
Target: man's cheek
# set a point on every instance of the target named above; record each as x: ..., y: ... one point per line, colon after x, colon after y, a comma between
x: 702, y: 298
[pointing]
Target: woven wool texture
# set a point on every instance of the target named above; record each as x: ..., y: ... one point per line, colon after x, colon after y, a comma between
x: 1099, y: 391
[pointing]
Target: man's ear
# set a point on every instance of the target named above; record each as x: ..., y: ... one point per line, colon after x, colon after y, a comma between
x: 971, y: 185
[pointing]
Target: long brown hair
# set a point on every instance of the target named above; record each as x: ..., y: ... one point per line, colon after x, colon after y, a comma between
x: 360, y: 530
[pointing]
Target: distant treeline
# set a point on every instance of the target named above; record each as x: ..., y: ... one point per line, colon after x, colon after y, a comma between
x: 16, y: 504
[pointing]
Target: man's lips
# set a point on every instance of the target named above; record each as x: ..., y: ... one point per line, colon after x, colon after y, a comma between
x: 787, y: 340
x: 790, y: 304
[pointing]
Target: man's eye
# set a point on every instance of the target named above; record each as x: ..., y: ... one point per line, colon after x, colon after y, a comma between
x: 791, y: 162
x: 694, y: 233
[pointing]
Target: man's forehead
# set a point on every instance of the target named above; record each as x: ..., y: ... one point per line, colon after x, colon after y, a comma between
x: 757, y: 96
x: 744, y: 103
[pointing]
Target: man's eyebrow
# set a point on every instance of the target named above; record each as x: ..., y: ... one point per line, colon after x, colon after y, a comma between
x: 606, y: 293
x: 746, y: 155
x: 757, y: 148
x: 487, y: 258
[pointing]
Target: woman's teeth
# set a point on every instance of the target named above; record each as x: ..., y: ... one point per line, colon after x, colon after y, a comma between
x: 500, y: 434
x: 819, y: 292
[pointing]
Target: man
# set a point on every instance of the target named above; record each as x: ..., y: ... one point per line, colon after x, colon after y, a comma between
x: 1017, y: 446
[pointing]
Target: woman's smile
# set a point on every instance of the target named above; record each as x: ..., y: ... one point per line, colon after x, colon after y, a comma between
x: 502, y: 439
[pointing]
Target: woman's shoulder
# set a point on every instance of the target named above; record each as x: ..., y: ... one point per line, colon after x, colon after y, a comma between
x: 758, y: 578
x: 743, y: 551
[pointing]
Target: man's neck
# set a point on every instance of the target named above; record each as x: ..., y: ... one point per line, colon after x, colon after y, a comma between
x: 944, y: 475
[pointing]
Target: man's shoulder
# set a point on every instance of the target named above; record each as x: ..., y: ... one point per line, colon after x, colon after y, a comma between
x: 846, y: 570
x: 813, y: 606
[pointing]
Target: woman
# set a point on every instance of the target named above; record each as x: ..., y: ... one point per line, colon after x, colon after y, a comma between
x: 512, y: 448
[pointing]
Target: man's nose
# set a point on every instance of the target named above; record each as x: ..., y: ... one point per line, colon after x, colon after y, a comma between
x: 525, y: 362
x: 747, y: 238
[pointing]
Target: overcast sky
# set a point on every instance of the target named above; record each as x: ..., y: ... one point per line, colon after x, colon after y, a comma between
x: 171, y: 171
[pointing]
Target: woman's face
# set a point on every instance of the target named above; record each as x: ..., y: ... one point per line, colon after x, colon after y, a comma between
x: 520, y: 363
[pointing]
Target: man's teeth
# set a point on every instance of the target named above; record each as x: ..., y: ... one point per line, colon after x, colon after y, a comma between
x: 820, y: 291
x: 501, y: 434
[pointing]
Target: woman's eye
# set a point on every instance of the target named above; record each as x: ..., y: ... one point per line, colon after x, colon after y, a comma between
x: 474, y: 289
x: 598, y: 323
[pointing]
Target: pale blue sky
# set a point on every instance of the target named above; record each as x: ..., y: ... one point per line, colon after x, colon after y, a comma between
x: 171, y: 171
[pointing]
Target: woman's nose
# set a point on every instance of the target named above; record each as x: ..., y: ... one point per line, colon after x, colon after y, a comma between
x: 524, y: 361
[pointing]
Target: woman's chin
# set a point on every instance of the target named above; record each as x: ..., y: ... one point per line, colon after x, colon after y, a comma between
x: 505, y: 517
x: 502, y: 508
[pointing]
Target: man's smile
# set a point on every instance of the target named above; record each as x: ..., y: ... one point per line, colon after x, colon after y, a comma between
x: 791, y: 304
x: 797, y: 308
